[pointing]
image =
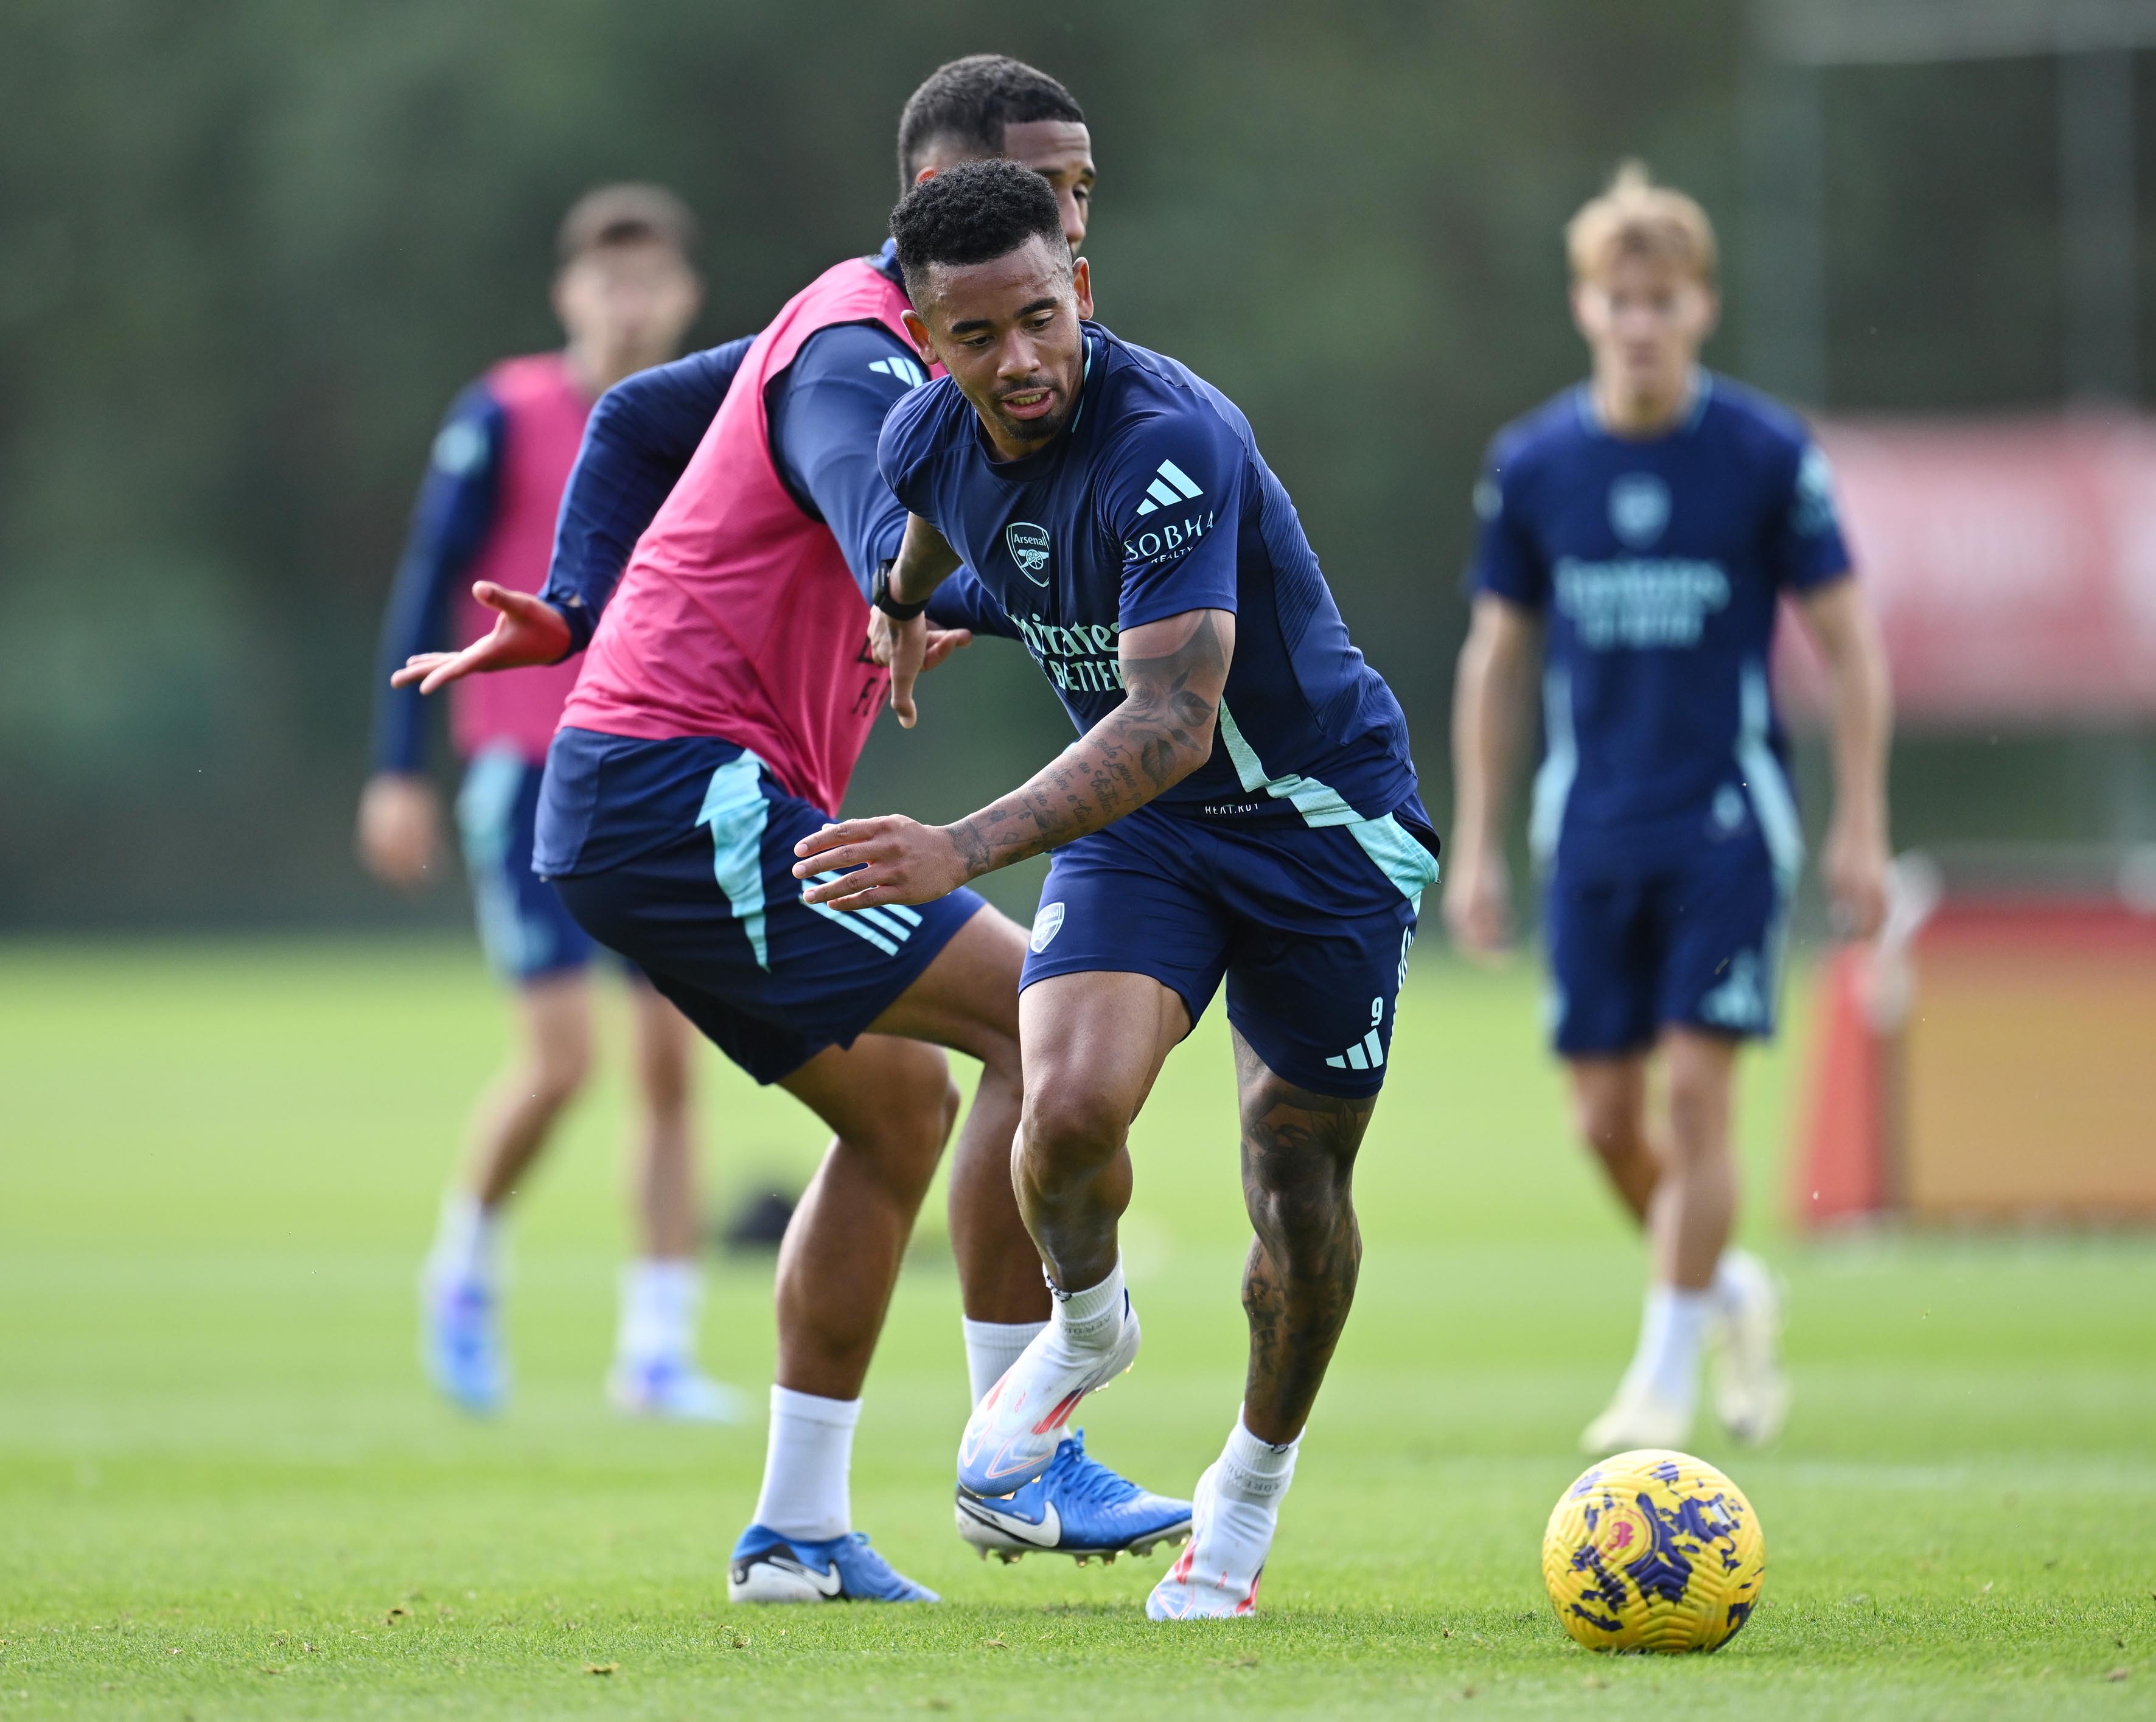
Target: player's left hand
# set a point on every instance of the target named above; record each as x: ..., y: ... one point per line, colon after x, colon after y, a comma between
x: 903, y: 646
x: 1856, y: 865
x: 891, y: 859
x: 885, y: 645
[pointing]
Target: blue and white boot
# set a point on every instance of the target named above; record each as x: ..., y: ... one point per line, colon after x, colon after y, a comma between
x: 1020, y: 1426
x: 671, y: 1389
x: 460, y: 1344
x: 767, y: 1567
x: 1076, y: 1507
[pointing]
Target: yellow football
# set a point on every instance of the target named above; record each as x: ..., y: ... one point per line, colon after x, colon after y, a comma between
x: 1653, y: 1550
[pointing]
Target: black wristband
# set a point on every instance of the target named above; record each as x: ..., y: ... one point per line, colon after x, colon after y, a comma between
x: 880, y: 595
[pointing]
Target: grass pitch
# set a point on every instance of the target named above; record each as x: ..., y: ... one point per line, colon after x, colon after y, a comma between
x: 225, y: 1491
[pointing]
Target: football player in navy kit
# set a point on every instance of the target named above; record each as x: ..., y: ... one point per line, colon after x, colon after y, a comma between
x: 768, y: 529
x: 1638, y: 533
x: 1239, y: 804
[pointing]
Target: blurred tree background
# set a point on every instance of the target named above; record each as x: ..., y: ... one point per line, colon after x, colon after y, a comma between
x: 249, y: 249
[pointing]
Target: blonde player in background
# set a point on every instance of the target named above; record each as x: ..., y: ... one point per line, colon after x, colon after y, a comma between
x: 1638, y: 533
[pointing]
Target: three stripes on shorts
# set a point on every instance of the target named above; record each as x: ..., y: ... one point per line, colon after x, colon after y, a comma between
x: 886, y: 928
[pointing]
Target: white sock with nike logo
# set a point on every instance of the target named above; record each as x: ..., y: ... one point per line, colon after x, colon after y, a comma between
x: 806, y: 1466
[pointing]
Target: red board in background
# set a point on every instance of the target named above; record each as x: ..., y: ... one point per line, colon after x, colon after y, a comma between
x: 2006, y: 1079
x: 1842, y: 1172
x: 2012, y: 565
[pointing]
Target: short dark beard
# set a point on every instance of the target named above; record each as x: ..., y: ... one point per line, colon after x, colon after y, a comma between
x: 1037, y: 433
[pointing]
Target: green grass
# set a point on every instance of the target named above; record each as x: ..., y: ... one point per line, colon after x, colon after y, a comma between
x: 220, y: 1476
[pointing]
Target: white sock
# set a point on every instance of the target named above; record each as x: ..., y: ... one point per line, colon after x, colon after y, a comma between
x: 1086, y: 1325
x: 1734, y: 1274
x: 660, y: 1299
x: 467, y: 1240
x: 1255, y: 1472
x: 806, y: 1466
x: 1671, y: 1327
x: 1249, y: 1480
x: 993, y: 1347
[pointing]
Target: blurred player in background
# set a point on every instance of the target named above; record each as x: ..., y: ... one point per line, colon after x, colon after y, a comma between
x: 723, y: 703
x: 1117, y: 508
x: 625, y: 293
x: 1637, y: 535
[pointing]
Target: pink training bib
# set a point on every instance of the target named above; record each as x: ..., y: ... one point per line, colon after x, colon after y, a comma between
x: 738, y: 616
x: 544, y: 413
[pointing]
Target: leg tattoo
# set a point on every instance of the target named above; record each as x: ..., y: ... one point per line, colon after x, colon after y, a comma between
x: 1298, y: 1162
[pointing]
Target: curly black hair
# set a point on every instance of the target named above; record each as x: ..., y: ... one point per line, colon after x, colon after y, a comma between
x: 977, y: 212
x: 970, y: 101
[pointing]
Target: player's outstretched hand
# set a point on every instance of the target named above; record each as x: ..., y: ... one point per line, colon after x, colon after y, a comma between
x: 892, y: 860
x: 528, y: 630
x: 1478, y: 906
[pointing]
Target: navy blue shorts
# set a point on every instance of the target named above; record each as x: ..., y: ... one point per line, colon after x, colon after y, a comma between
x: 526, y: 933
x: 1309, y: 926
x: 680, y: 854
x: 1697, y: 944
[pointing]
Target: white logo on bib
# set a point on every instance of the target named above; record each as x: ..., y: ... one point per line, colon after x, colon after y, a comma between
x: 1046, y: 925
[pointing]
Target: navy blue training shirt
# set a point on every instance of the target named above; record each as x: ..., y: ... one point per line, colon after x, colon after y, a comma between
x: 1155, y: 502
x: 450, y: 522
x: 1658, y: 563
x: 825, y: 410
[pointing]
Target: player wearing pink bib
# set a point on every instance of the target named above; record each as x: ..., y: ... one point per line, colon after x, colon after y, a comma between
x: 543, y: 406
x: 726, y: 693
x: 738, y: 616
x: 486, y: 514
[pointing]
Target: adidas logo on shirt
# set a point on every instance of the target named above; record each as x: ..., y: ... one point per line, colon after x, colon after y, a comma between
x: 1170, y: 486
x: 905, y: 370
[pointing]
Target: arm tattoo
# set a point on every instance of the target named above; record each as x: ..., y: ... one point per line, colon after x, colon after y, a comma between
x: 1161, y: 733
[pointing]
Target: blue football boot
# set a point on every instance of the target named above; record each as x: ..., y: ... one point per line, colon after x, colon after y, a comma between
x: 671, y: 1390
x: 1077, y: 1506
x: 767, y: 1567
x: 461, y: 1342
